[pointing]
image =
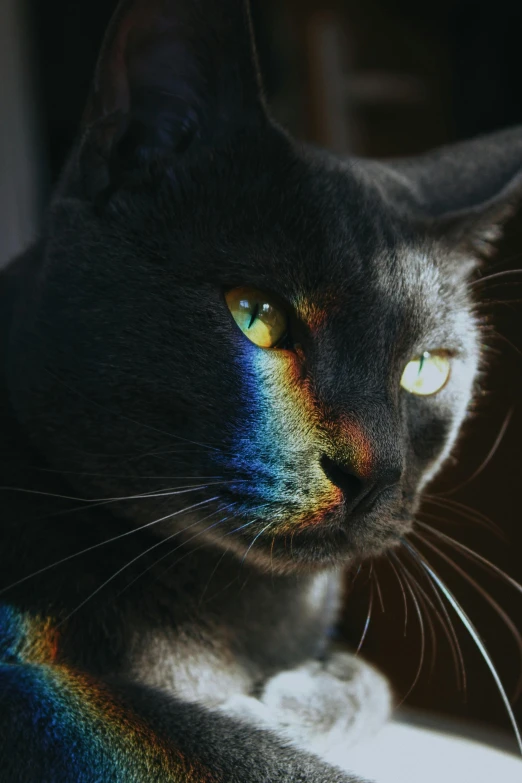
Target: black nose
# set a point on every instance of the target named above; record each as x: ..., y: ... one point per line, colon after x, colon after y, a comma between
x: 360, y: 492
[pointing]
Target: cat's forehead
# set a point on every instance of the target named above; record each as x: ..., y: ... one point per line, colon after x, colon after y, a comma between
x: 333, y: 245
x: 397, y: 296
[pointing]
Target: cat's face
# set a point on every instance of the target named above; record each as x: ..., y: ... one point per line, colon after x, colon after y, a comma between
x: 142, y: 355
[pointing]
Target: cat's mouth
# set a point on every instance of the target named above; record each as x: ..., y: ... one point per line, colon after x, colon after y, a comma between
x: 289, y: 534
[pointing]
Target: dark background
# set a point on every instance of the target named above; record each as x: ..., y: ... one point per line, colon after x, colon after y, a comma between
x: 382, y: 78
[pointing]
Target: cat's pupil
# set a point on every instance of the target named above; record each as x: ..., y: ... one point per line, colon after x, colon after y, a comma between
x: 254, y: 312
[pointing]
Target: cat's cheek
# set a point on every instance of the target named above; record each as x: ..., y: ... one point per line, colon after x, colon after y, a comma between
x: 434, y: 422
x: 428, y: 433
x: 279, y: 409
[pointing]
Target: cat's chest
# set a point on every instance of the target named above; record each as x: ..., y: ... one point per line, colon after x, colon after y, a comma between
x: 208, y: 662
x: 195, y: 670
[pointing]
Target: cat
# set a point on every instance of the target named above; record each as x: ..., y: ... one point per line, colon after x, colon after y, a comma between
x: 230, y: 365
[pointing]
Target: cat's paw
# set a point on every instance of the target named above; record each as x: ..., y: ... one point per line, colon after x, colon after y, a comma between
x: 326, y: 706
x: 250, y: 710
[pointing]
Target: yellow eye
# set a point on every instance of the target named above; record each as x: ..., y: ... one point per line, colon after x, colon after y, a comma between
x: 258, y: 316
x: 428, y: 374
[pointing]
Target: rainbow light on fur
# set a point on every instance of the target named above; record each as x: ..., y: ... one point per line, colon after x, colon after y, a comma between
x: 357, y: 447
x: 96, y: 736
x: 274, y: 444
x: 24, y: 639
x: 285, y: 431
x: 314, y: 314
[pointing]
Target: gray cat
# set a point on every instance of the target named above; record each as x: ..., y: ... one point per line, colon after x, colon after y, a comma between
x: 230, y: 365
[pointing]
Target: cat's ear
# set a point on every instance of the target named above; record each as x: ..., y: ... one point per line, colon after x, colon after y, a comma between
x: 466, y: 192
x: 171, y: 74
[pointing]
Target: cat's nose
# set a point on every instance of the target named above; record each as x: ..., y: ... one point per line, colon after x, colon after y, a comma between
x: 360, y: 491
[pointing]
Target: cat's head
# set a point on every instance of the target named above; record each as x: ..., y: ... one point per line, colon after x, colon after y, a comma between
x: 213, y: 304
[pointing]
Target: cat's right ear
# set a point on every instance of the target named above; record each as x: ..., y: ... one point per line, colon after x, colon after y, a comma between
x: 463, y: 194
x: 172, y: 75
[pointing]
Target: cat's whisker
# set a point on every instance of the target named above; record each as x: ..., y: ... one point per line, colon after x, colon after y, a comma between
x: 183, y: 543
x: 447, y: 626
x: 426, y: 515
x: 91, y: 548
x: 427, y: 616
x: 496, y: 276
x: 465, y: 512
x: 292, y: 534
x: 272, y: 559
x: 243, y: 526
x: 359, y: 568
x: 403, y: 591
x: 479, y: 559
x: 489, y: 457
x: 517, y: 636
x: 92, y: 504
x: 429, y: 607
x: 180, y: 452
x: 204, y: 544
x: 129, y: 564
x: 378, y: 587
x: 243, y: 559
x: 152, y: 494
x: 470, y: 627
x: 367, y: 622
x: 423, y: 638
x: 497, y: 335
x: 126, y: 476
x: 209, y: 580
x: 505, y: 261
x: 503, y: 289
x: 121, y: 459
x: 190, y: 552
x: 489, y: 303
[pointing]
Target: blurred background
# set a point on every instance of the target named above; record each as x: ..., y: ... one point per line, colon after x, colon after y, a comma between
x: 378, y: 78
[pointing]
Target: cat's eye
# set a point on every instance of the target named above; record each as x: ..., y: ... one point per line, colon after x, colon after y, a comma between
x: 258, y: 315
x: 427, y: 374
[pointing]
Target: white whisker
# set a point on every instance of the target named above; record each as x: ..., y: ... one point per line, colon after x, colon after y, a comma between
x: 446, y: 592
x: 367, y: 623
x: 173, y: 535
x: 487, y: 597
x: 480, y: 559
x: 98, y: 545
x: 131, y: 562
x: 151, y: 494
x: 254, y: 541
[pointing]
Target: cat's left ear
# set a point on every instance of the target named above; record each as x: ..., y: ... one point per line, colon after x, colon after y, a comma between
x: 172, y: 74
x: 463, y: 194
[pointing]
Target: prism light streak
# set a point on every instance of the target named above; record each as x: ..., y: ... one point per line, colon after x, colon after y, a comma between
x: 313, y: 314
x: 77, y: 719
x: 357, y: 447
x: 281, y: 439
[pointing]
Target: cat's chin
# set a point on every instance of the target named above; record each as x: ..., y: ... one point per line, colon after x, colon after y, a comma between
x: 318, y: 546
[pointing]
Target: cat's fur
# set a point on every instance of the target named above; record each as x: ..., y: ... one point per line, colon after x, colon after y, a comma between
x: 197, y: 647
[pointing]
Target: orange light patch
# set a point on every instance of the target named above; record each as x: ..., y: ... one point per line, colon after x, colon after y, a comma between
x: 39, y: 644
x: 314, y: 314
x: 358, y: 446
